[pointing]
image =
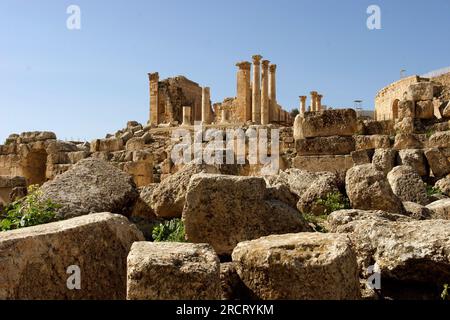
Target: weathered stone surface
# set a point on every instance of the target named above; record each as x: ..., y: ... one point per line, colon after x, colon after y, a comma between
x: 410, y: 141
x: 309, y: 187
x: 135, y: 144
x: 406, y: 252
x: 440, y: 209
x: 420, y: 91
x: 424, y: 109
x: 384, y: 159
x: 168, y: 198
x: 334, y: 145
x: 405, y: 126
x: 12, y: 181
x: 438, y: 162
x: 339, y: 163
x: 406, y: 109
x: 372, y: 142
x: 172, y: 271
x: 368, y: 188
x: 91, y: 186
x: 306, y: 266
x: 297, y: 127
x: 440, y: 140
x: 142, y: 206
x: 446, y: 112
x: 77, y: 156
x: 417, y: 211
x: 415, y: 159
x: 109, y: 145
x: 225, y: 210
x: 407, y: 185
x: 444, y: 185
x: 341, y: 122
x: 362, y: 156
x: 34, y: 261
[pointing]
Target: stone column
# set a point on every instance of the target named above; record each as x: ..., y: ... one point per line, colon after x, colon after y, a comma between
x: 206, y: 105
x: 186, y: 116
x: 313, y: 101
x: 244, y: 93
x: 302, y: 104
x: 265, y: 92
x: 256, y: 90
x: 224, y: 118
x: 154, y: 98
x: 319, y: 102
x: 272, y: 92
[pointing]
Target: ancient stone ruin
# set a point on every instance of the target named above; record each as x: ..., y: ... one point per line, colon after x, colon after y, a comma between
x: 350, y: 199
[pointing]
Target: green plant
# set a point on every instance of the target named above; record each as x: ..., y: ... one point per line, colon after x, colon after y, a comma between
x: 433, y: 191
x: 333, y: 202
x: 430, y: 132
x: 170, y: 231
x: 445, y: 294
x: 316, y: 222
x: 28, y: 211
x: 294, y: 113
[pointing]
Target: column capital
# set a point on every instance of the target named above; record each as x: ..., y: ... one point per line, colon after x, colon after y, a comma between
x: 303, y: 98
x: 206, y: 89
x: 320, y: 96
x: 244, y: 65
x: 265, y: 63
x: 153, y: 76
x: 273, y: 68
x: 256, y: 59
x: 313, y: 93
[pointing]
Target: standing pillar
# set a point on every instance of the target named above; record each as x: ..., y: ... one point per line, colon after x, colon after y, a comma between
x: 186, y: 116
x: 224, y: 118
x: 244, y: 92
x: 265, y: 92
x: 206, y: 105
x: 313, y: 101
x: 303, y: 104
x: 154, y: 98
x: 272, y: 92
x: 256, y: 90
x: 319, y: 102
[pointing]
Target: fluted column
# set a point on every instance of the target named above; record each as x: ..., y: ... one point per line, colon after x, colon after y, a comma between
x: 244, y: 93
x: 272, y: 92
x: 313, y: 101
x: 206, y: 105
x: 302, y: 104
x: 265, y: 92
x: 256, y: 89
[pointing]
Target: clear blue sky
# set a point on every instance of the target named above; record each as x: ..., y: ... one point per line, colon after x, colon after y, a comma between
x: 86, y: 83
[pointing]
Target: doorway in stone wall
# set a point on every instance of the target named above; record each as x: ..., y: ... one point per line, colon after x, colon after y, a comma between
x: 34, y: 166
x: 395, y: 109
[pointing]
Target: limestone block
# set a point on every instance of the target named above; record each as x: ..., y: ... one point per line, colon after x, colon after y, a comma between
x: 108, y: 145
x: 339, y: 163
x: 340, y: 122
x: 77, y: 156
x: 406, y: 109
x: 371, y: 142
x: 421, y: 91
x: 414, y: 158
x: 334, y: 145
x: 406, y: 184
x: 136, y: 143
x: 224, y: 210
x: 440, y: 140
x: 440, y: 209
x: 305, y: 266
x: 384, y: 159
x: 424, y: 109
x: 172, y: 271
x: 141, y: 171
x: 369, y: 189
x: 35, y: 260
x: 410, y: 141
x: 362, y: 156
x: 438, y: 162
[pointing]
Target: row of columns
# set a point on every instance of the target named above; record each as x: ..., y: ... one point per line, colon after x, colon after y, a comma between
x: 257, y: 100
x: 316, y: 102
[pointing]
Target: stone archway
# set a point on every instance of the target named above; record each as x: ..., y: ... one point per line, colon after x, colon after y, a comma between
x: 395, y: 109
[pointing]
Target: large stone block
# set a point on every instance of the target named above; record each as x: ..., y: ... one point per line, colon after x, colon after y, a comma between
x: 341, y: 122
x: 439, y: 164
x: 406, y: 109
x: 141, y: 171
x: 372, y: 142
x: 108, y: 145
x: 369, y: 189
x: 339, y: 163
x: 440, y: 209
x: 440, y: 140
x: 414, y: 158
x: 410, y: 141
x: 421, y: 91
x: 173, y: 271
x: 306, y: 266
x: 384, y: 159
x: 407, y: 185
x: 424, y: 109
x: 225, y: 210
x: 34, y: 261
x: 91, y: 186
x: 335, y: 145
